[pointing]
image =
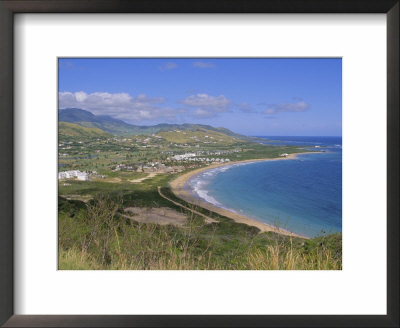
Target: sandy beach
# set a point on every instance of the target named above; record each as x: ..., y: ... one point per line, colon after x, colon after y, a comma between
x: 178, y: 184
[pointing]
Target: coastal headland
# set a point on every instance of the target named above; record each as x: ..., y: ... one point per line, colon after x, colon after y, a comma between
x: 178, y: 188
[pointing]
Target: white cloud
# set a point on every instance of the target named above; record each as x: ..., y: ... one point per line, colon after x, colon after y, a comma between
x: 299, y: 106
x: 168, y: 66
x: 207, y: 106
x: 80, y: 96
x: 118, y: 105
x: 203, y: 64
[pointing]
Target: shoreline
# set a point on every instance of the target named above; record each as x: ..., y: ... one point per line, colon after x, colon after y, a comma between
x: 178, y: 188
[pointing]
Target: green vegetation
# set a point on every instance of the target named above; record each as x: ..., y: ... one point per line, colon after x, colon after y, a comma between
x: 96, y: 236
x: 75, y: 130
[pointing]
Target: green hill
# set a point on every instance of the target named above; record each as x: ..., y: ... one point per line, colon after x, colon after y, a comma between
x: 200, y: 136
x: 76, y: 130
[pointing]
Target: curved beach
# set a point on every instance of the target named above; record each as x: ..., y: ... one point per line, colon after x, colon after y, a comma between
x: 178, y: 188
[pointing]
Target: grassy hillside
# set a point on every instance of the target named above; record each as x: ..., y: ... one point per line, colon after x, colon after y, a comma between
x: 111, y: 127
x: 199, y: 136
x: 96, y: 236
x: 75, y: 130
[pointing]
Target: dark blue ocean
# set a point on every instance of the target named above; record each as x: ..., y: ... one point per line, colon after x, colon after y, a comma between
x: 302, y: 195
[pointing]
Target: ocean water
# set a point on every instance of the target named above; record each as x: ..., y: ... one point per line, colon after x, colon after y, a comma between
x: 302, y: 195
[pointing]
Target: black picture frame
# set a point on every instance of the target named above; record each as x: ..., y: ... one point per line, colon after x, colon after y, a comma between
x: 10, y: 7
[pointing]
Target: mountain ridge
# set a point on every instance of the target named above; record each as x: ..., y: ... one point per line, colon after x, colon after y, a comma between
x: 118, y: 127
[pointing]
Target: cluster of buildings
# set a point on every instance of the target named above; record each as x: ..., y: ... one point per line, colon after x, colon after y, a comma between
x: 149, y: 168
x: 191, y: 157
x: 83, y: 176
x: 209, y: 160
x: 160, y: 168
x: 125, y: 167
x: 184, y: 156
x: 217, y: 152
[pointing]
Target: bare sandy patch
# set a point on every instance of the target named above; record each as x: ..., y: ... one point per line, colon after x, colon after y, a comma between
x: 158, y: 215
x: 82, y: 198
x: 113, y: 180
x: 151, y: 175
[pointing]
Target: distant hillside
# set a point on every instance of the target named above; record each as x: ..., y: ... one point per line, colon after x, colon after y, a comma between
x: 195, y: 127
x: 197, y: 136
x: 87, y: 119
x: 118, y: 127
x: 76, y: 130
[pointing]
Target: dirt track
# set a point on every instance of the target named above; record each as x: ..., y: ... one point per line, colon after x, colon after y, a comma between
x: 207, y: 218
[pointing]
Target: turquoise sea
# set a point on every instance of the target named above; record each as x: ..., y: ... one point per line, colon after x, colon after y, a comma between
x: 302, y: 195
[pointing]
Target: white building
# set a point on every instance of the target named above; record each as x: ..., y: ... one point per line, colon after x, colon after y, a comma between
x: 184, y: 156
x: 83, y: 176
x: 62, y: 175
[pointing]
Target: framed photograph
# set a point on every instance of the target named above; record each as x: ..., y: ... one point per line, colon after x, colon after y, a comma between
x: 197, y: 164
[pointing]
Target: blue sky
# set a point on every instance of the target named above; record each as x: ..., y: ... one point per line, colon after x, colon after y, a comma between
x: 271, y: 97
